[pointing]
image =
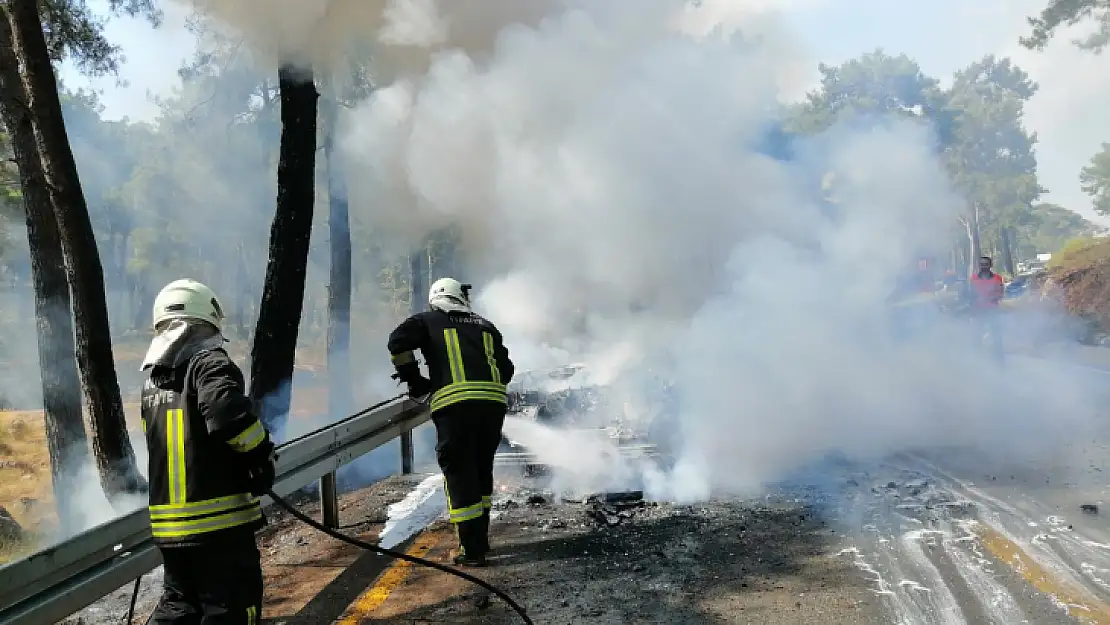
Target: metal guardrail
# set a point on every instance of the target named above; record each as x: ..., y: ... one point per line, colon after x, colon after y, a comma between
x: 65, y: 578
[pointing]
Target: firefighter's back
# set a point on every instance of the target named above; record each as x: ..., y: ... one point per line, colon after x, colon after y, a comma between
x: 467, y: 360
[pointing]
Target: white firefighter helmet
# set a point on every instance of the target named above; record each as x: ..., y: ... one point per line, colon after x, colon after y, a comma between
x: 187, y: 299
x: 452, y: 288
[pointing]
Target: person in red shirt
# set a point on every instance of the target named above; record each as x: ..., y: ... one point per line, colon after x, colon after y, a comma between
x: 987, y: 290
x: 986, y: 286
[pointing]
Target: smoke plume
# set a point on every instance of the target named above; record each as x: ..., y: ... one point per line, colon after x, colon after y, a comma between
x: 602, y: 166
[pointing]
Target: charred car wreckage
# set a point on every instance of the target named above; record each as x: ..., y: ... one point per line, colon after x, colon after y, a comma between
x: 565, y: 398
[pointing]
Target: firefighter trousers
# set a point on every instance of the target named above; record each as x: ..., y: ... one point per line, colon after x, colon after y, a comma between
x: 467, y: 436
x: 218, y: 583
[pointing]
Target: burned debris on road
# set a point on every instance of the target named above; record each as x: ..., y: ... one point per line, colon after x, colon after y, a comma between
x: 615, y: 558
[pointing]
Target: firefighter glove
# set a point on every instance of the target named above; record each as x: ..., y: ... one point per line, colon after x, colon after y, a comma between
x: 407, y: 373
x: 419, y: 387
x: 261, y: 470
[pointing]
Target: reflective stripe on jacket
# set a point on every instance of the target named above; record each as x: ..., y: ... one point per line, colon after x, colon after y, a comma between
x: 466, y: 357
x: 198, y: 430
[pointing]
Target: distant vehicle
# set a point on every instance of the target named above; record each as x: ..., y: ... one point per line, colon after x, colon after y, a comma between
x: 1018, y: 286
x: 1021, y: 283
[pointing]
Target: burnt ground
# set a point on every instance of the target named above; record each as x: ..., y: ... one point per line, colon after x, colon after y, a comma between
x: 900, y: 541
x: 771, y: 562
x: 895, y: 541
x: 766, y: 561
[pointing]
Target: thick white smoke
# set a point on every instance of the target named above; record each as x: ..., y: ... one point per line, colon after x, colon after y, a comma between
x: 599, y: 160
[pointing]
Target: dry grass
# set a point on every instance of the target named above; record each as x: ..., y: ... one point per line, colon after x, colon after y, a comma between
x: 26, y: 490
x: 24, y: 476
x: 1082, y: 273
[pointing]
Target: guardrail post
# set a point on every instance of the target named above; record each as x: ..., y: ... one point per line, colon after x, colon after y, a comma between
x: 406, y: 452
x: 420, y: 270
x: 329, y: 501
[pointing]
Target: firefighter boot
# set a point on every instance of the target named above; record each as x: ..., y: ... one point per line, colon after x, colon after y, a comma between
x: 471, y: 550
x: 483, y: 531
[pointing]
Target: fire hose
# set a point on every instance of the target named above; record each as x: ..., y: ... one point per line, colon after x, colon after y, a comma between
x: 397, y: 555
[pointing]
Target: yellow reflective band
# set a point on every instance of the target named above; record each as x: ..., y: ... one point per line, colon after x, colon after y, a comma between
x: 479, y: 385
x: 192, y: 527
x: 249, y: 438
x: 142, y: 422
x: 175, y: 454
x: 454, y: 393
x: 487, y: 342
x: 454, y: 355
x: 461, y: 515
x: 403, y: 358
x: 200, y: 508
x: 487, y: 502
x: 252, y: 615
x: 458, y: 515
x: 468, y: 396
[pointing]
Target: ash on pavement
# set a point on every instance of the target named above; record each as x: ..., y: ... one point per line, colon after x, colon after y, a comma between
x: 637, y: 562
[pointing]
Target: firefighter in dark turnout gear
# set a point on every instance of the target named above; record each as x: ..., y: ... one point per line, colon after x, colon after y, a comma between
x: 210, y: 460
x: 469, y: 369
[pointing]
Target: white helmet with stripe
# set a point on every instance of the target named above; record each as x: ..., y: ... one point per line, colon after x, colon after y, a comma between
x: 449, y: 289
x: 187, y: 299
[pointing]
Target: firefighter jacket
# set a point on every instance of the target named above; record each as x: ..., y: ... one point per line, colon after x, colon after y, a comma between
x: 201, y: 436
x: 466, y: 357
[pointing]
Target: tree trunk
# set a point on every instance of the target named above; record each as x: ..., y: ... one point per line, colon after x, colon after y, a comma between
x: 975, y: 249
x: 124, y: 280
x: 275, y: 336
x: 340, y: 400
x: 239, y: 311
x: 114, y: 456
x: 1006, y: 247
x: 418, y: 280
x: 443, y: 255
x: 66, y: 440
x: 143, y: 301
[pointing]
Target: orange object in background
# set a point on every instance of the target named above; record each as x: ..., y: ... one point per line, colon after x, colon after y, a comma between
x: 988, y: 291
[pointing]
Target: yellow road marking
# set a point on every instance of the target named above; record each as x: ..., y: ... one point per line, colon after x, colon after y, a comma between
x: 1080, y: 603
x: 376, y: 595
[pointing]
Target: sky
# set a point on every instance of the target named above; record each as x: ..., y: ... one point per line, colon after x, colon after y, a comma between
x: 1070, y: 113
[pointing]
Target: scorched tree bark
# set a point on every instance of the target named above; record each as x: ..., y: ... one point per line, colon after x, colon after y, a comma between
x: 279, y: 314
x: 66, y: 440
x: 114, y: 456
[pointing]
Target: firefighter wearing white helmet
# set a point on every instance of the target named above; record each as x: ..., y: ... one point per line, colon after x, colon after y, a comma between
x: 188, y: 299
x: 210, y: 460
x: 468, y: 373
